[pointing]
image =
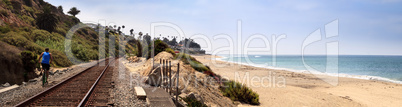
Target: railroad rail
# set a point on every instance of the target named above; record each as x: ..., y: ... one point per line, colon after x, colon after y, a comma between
x: 87, y: 88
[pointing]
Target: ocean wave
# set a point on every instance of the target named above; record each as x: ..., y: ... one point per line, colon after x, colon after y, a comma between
x: 364, y: 77
x: 220, y: 59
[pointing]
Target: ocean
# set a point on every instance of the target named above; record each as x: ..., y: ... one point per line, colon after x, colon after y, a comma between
x: 376, y: 67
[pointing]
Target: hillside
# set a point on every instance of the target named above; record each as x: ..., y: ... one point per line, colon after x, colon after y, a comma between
x: 25, y: 33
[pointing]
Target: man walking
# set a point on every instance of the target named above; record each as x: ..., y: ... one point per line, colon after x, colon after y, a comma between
x: 46, y: 60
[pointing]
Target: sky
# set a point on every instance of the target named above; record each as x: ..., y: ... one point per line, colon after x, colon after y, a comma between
x: 281, y: 27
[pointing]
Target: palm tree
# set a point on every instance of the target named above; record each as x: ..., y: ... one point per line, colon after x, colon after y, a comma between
x: 118, y: 30
x: 139, y: 37
x: 131, y: 32
x: 46, y: 20
x: 74, y: 11
x: 122, y: 30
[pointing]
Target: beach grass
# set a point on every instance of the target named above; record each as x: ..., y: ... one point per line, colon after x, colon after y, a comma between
x: 193, y: 102
x: 238, y: 92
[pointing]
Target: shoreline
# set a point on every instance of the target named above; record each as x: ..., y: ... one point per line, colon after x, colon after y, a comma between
x: 343, y: 75
x: 307, y: 89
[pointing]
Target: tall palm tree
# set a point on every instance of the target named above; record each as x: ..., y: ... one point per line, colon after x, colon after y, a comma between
x: 122, y: 30
x: 139, y: 37
x: 74, y: 11
x: 118, y: 30
x: 46, y: 20
x: 131, y: 32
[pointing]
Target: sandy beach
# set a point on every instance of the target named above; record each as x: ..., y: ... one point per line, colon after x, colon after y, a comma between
x: 286, y: 88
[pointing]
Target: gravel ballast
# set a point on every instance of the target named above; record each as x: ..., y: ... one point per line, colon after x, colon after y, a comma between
x: 124, y: 94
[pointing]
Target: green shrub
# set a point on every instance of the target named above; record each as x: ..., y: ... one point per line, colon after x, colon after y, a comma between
x: 28, y: 20
x: 83, y: 51
x: 198, y: 66
x: 8, y: 4
x: 34, y: 48
x: 130, y: 49
x: 57, y: 45
x: 193, y: 102
x: 51, y: 40
x: 61, y: 31
x: 25, y: 34
x: 18, y: 40
x: 29, y: 60
x: 171, y: 51
x: 84, y: 31
x: 79, y: 52
x: 41, y: 35
x: 160, y: 46
x: 59, y: 59
x: 74, y: 21
x: 4, y: 29
x: 237, y: 92
x: 15, y: 39
x: 26, y: 29
x: 187, y: 59
x: 28, y: 2
x: 184, y: 57
x: 4, y: 13
x: 29, y: 9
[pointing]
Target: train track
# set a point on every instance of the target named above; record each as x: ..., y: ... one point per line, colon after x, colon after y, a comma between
x: 87, y: 88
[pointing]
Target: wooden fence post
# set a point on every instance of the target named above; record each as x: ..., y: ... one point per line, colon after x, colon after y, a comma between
x: 160, y: 64
x: 170, y: 78
x: 163, y: 73
x: 177, y: 84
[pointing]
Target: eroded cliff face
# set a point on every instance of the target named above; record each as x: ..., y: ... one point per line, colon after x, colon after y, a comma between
x: 11, y: 66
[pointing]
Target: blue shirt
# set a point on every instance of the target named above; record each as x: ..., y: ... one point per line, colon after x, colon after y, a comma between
x: 46, y: 58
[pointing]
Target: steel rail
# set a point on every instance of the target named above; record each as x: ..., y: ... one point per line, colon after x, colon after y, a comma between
x: 85, y: 99
x: 32, y: 99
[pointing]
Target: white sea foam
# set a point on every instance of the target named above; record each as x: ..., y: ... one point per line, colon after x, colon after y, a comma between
x: 364, y: 77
